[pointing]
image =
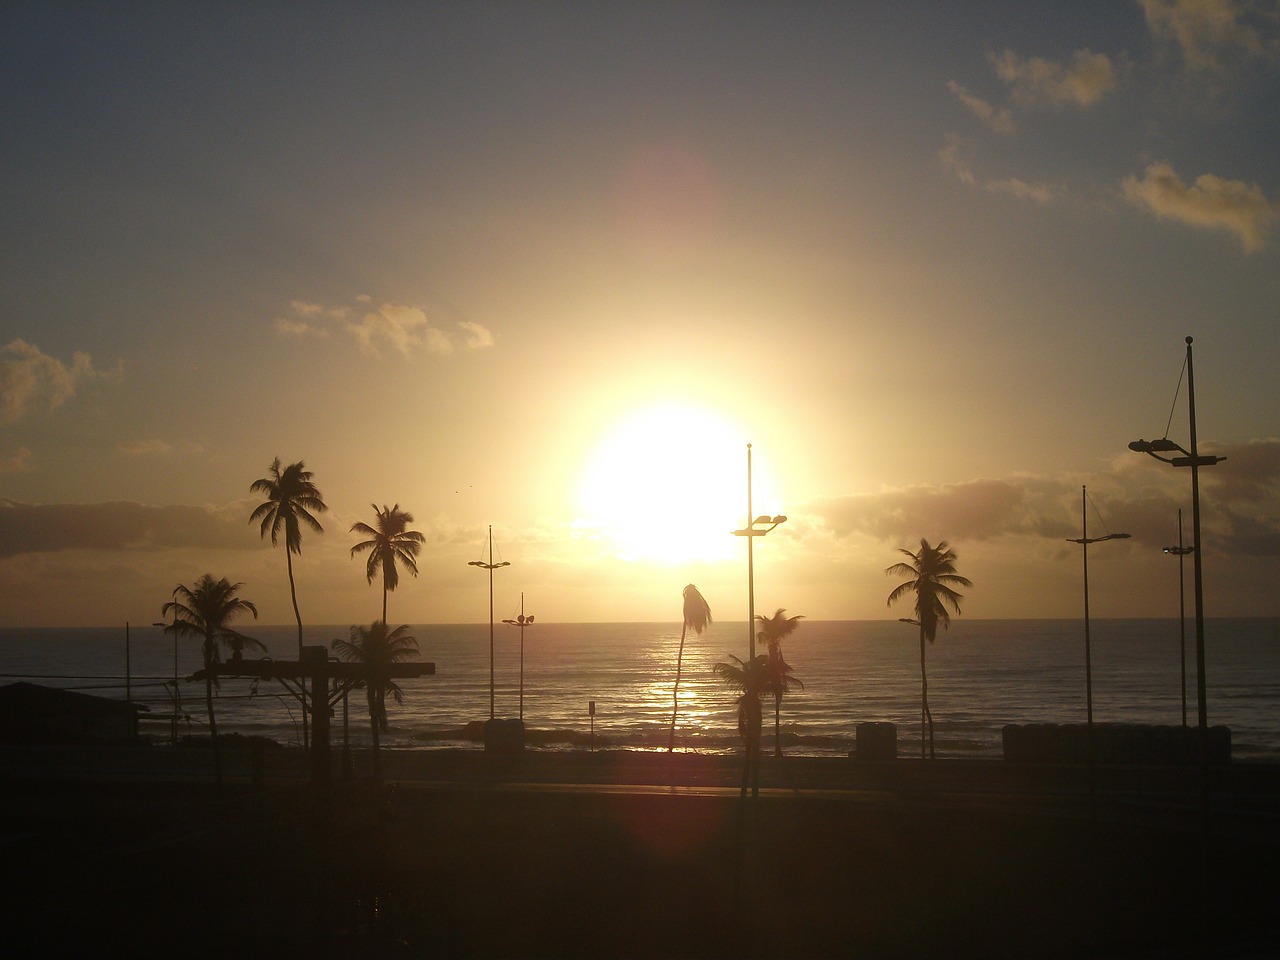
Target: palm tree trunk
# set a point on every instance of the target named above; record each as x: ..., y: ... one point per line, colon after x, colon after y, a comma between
x: 675, y: 693
x: 373, y: 726
x: 297, y: 615
x: 924, y: 695
x: 213, y: 719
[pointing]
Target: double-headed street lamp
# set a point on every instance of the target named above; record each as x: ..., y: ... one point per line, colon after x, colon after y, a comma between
x: 174, y: 631
x: 521, y: 621
x: 490, y: 566
x: 755, y: 528
x: 1190, y: 458
x: 1084, y: 540
x: 1181, y: 551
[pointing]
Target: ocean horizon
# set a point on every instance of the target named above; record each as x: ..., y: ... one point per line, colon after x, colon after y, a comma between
x: 983, y: 674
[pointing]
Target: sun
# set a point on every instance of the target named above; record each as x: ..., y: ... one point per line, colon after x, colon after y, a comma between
x: 667, y: 484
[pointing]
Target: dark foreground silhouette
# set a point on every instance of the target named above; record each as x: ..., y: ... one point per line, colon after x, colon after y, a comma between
x: 490, y: 866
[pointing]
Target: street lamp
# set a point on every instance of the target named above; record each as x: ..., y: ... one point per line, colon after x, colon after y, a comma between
x: 521, y: 621
x: 490, y: 566
x: 1190, y: 458
x: 1180, y: 551
x: 165, y: 626
x: 1084, y: 540
x: 755, y: 528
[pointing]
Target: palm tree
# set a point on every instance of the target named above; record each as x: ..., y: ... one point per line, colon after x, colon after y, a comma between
x: 377, y: 648
x: 750, y: 679
x: 773, y: 630
x: 932, y: 573
x: 387, y: 543
x: 697, y: 614
x: 207, y: 609
x: 291, y: 496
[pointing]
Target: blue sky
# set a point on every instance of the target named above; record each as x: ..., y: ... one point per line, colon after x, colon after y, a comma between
x: 550, y: 267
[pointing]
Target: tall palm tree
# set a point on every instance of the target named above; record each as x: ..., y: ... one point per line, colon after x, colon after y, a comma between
x: 932, y: 573
x: 378, y: 648
x: 387, y: 543
x: 750, y: 679
x: 207, y: 609
x: 291, y: 498
x: 697, y: 614
x: 773, y: 630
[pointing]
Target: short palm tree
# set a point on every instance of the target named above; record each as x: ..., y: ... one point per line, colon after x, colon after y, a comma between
x: 206, y: 609
x: 291, y: 498
x: 773, y: 630
x: 932, y: 573
x: 697, y: 614
x: 750, y: 679
x: 388, y: 542
x: 378, y: 648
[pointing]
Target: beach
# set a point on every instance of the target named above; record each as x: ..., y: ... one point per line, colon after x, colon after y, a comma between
x: 455, y: 853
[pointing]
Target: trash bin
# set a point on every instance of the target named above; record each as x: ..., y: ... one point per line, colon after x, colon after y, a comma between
x: 876, y: 741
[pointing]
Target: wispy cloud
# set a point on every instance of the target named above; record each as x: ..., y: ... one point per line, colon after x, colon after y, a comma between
x: 1211, y: 202
x: 21, y: 460
x: 953, y: 158
x: 999, y: 119
x: 1215, y: 34
x: 47, y: 528
x: 33, y: 382
x: 1081, y: 82
x: 399, y: 328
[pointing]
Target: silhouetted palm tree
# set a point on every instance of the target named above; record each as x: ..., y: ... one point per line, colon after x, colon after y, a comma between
x: 389, y: 542
x: 207, y: 609
x: 750, y: 680
x: 933, y: 573
x: 291, y: 496
x: 773, y: 630
x: 378, y: 649
x: 697, y: 614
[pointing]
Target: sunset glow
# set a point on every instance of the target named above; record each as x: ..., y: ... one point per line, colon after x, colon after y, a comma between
x: 515, y: 266
x: 667, y: 484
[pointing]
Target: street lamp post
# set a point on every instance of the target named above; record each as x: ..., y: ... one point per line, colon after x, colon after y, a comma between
x: 1181, y: 551
x: 756, y: 527
x: 490, y: 566
x: 1084, y: 540
x: 521, y: 621
x: 165, y: 626
x: 1190, y: 458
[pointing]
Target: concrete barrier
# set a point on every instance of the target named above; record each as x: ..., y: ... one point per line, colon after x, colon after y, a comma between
x: 505, y: 737
x: 875, y: 741
x: 1113, y: 743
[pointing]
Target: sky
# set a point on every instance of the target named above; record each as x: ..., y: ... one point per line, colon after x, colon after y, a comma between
x: 548, y: 269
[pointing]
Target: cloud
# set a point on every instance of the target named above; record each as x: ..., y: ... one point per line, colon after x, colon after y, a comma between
x: 32, y: 381
x: 477, y: 336
x: 27, y: 528
x: 953, y: 159
x: 1211, y: 202
x: 998, y: 119
x: 402, y: 328
x: 1021, y: 190
x: 134, y: 447
x: 977, y: 510
x: 1213, y: 34
x: 1253, y: 476
x: 1083, y: 82
x: 22, y: 461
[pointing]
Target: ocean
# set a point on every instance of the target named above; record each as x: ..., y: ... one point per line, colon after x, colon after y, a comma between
x: 982, y: 675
